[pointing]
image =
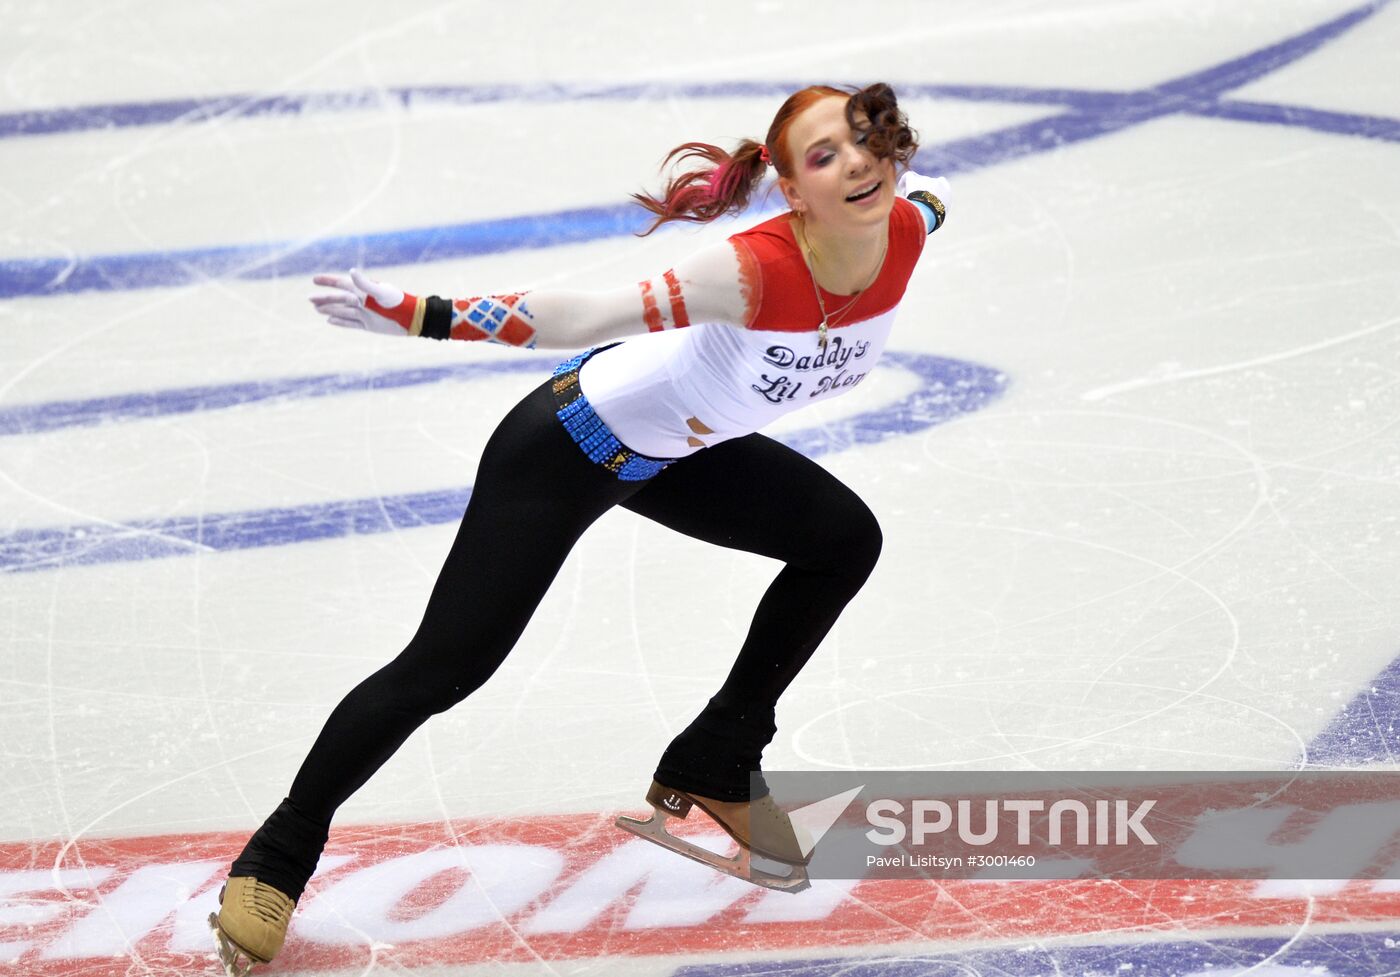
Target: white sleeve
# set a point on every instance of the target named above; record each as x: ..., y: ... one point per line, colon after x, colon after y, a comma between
x: 711, y: 285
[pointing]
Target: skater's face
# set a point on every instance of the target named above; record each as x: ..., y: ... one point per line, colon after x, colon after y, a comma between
x: 836, y: 180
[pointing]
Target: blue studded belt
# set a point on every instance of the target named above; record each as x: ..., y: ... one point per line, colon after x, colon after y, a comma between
x: 589, y: 431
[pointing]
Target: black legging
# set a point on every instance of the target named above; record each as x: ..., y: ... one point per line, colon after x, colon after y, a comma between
x: 535, y: 494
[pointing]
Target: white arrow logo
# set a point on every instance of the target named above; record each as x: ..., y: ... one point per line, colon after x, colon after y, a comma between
x: 815, y: 820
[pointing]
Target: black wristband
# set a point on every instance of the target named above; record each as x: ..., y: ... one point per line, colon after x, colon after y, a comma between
x: 437, y: 318
x: 933, y: 204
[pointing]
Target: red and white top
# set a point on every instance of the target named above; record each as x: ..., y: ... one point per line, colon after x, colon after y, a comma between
x: 683, y: 386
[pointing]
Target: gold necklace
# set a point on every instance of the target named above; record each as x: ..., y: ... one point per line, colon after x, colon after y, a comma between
x: 807, y: 252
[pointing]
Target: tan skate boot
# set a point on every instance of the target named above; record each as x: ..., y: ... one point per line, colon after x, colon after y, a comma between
x: 251, y: 923
x: 742, y: 820
x: 759, y: 827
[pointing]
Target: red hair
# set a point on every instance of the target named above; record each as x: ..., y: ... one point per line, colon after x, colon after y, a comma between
x: 725, y: 182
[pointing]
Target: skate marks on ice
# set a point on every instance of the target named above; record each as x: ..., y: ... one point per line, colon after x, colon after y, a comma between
x: 562, y: 892
x: 116, y: 904
x: 1100, y: 393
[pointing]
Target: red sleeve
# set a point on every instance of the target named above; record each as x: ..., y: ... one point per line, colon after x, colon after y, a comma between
x: 908, y: 221
x: 750, y: 278
x: 775, y: 275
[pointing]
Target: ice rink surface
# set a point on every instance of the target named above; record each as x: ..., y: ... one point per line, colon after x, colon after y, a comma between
x: 1135, y: 450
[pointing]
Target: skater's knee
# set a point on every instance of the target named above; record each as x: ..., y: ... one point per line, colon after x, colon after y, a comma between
x: 867, y: 545
x: 850, y: 546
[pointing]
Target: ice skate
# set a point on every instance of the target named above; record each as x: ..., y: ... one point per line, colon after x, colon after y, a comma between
x: 251, y: 924
x: 780, y: 844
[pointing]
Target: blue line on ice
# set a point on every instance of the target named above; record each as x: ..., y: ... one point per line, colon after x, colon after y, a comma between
x: 1090, y: 114
x: 947, y: 388
x: 1370, y: 954
x: 55, y: 415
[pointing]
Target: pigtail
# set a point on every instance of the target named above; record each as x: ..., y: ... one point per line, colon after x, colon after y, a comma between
x: 722, y: 184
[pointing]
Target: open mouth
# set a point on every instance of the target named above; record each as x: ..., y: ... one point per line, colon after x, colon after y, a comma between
x: 865, y: 194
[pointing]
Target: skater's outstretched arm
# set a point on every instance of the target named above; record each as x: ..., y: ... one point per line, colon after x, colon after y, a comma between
x: 716, y: 284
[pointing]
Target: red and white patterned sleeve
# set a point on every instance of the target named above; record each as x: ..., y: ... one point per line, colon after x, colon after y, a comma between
x: 716, y: 284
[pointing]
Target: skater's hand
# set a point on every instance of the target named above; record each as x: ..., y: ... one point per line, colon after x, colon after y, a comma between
x: 935, y: 186
x: 362, y: 303
x: 909, y: 181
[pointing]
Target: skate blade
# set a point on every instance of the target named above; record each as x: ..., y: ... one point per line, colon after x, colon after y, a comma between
x: 739, y: 866
x: 235, y: 960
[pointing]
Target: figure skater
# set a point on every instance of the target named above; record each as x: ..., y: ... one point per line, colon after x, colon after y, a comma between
x: 793, y: 311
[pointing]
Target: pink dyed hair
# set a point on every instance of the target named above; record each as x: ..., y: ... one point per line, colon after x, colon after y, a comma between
x: 725, y: 182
